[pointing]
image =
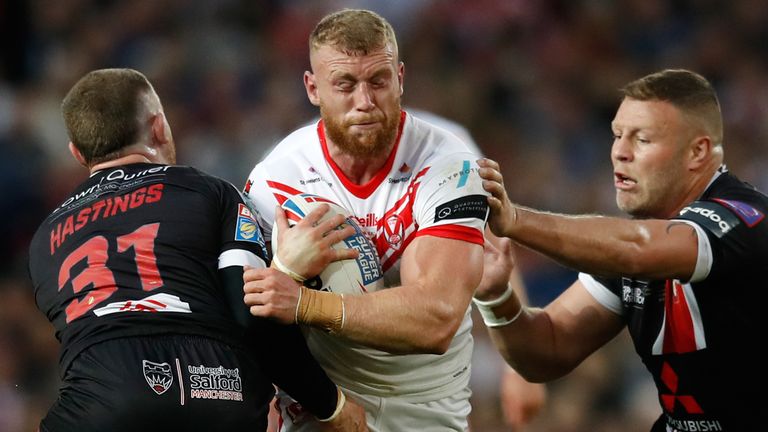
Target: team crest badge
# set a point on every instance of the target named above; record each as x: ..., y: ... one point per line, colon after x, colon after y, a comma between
x: 158, y: 376
x: 394, y: 230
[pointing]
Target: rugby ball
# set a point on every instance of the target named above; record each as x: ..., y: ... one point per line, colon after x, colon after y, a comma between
x: 351, y: 276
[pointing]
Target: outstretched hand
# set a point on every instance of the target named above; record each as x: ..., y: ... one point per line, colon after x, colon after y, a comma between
x: 306, y: 248
x: 497, y: 265
x: 503, y: 212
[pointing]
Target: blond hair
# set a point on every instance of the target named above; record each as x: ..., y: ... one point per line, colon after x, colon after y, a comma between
x: 353, y: 31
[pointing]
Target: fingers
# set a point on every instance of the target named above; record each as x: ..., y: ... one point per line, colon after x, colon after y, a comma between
x: 495, y: 189
x: 343, y: 254
x: 494, y: 203
x: 252, y: 274
x: 332, y: 223
x: 488, y: 163
x: 491, y: 175
x: 315, y: 215
x: 281, y: 219
x: 338, y: 233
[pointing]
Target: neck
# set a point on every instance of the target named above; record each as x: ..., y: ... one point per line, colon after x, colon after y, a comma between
x: 696, y: 188
x: 359, y: 169
x: 125, y: 160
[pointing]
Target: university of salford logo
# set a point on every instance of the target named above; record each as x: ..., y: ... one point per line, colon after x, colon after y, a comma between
x: 158, y: 376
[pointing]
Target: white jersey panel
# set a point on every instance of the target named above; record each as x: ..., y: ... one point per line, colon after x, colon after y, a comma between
x: 399, y: 204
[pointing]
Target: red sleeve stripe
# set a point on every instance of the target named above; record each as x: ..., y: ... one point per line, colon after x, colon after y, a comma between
x: 456, y: 232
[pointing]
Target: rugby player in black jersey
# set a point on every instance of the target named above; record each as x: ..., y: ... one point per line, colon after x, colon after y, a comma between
x: 686, y: 274
x: 140, y: 271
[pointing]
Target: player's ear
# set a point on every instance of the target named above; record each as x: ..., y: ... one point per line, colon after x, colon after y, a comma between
x: 700, y: 151
x: 401, y: 75
x: 77, y: 155
x: 161, y: 133
x: 310, y: 84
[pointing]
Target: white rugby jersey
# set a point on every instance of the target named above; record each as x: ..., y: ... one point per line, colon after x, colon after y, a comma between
x: 428, y: 186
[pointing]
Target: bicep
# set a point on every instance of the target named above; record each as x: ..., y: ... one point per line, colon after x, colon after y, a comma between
x: 581, y: 324
x: 446, y: 269
x: 669, y: 249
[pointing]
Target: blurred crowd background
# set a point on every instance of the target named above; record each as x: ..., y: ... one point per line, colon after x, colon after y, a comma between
x: 534, y: 82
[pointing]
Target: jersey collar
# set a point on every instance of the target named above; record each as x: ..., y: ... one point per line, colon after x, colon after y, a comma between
x: 365, y: 190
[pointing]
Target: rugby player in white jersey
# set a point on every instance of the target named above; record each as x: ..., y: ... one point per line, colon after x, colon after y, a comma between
x: 404, y: 351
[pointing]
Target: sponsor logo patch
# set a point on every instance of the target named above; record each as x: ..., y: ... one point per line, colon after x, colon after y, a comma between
x: 158, y: 376
x: 247, y: 229
x: 750, y: 215
x: 461, y: 176
x: 712, y: 216
x: 470, y: 206
x: 215, y: 383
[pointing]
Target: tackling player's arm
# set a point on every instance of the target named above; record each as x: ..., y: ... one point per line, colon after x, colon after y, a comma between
x: 607, y: 246
x: 545, y: 344
x: 282, y: 351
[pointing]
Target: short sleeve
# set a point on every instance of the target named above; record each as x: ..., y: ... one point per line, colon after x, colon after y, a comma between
x: 602, y: 293
x: 241, y: 236
x: 260, y: 200
x: 450, y: 201
x: 732, y: 232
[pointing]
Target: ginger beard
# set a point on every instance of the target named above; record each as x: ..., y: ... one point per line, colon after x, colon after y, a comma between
x: 367, y: 143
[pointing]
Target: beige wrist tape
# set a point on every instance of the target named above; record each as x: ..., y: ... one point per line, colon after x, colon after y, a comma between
x: 320, y: 309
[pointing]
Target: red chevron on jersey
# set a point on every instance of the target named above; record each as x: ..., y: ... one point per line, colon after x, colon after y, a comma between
x: 683, y: 329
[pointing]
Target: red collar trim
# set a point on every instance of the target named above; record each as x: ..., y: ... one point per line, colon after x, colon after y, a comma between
x: 365, y: 190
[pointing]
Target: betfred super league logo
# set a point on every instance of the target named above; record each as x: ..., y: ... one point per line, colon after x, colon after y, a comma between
x: 158, y: 376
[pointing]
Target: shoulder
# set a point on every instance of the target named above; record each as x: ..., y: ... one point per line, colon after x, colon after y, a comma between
x: 440, y: 132
x: 194, y: 175
x: 295, y: 141
x: 728, y: 205
x: 297, y: 149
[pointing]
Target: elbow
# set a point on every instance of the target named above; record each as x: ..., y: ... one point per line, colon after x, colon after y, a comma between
x: 540, y: 372
x: 432, y: 347
x: 438, y: 338
x: 438, y: 345
x: 540, y: 376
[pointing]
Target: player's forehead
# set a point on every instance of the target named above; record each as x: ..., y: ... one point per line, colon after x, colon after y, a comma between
x: 651, y: 115
x: 333, y: 60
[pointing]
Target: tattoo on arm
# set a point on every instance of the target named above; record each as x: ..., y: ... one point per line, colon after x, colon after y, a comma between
x: 673, y: 224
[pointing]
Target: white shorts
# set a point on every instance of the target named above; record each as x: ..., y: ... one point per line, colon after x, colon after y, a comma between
x: 392, y: 414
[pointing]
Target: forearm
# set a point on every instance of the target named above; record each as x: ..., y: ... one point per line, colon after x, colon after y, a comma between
x: 545, y: 344
x: 398, y: 320
x: 281, y: 351
x: 593, y: 244
x: 530, y: 344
